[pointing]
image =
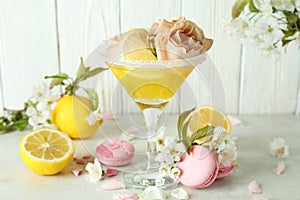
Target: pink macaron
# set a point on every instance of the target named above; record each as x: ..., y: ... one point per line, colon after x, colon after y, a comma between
x: 115, y: 152
x: 199, y: 169
x: 225, y: 171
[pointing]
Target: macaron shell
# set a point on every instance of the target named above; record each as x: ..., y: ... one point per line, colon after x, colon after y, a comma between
x: 225, y: 171
x: 199, y: 169
x: 115, y: 152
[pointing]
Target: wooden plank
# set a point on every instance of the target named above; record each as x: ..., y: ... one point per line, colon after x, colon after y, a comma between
x: 82, y: 27
x: 297, y: 111
x: 136, y: 13
x: 269, y: 86
x: 1, y: 88
x: 227, y: 56
x: 211, y: 16
x: 28, y: 47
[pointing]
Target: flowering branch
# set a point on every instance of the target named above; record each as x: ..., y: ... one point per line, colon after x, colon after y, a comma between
x: 268, y: 24
x: 37, y: 109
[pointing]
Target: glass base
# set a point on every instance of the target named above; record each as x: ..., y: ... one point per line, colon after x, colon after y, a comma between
x: 145, y: 179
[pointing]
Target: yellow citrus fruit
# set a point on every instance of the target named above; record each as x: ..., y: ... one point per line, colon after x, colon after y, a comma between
x: 69, y: 115
x: 135, y: 45
x: 209, y: 116
x: 46, y: 151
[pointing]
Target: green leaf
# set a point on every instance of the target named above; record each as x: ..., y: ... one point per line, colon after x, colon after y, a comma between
x: 82, y: 71
x: 252, y: 7
x: 57, y: 79
x: 21, y: 124
x: 182, y: 126
x: 94, y: 72
x: 200, y: 133
x: 182, y: 117
x: 93, y: 97
x: 238, y: 8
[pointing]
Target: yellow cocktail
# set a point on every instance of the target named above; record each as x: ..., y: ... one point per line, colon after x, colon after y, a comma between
x: 151, y: 86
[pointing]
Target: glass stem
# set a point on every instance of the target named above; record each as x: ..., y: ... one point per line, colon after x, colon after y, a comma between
x: 152, y: 117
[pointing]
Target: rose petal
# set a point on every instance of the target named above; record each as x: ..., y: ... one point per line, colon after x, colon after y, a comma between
x: 86, y: 156
x: 279, y: 168
x: 132, y: 130
x: 234, y: 121
x: 126, y: 196
x: 254, y: 188
x: 74, y: 159
x: 111, y: 172
x: 179, y: 193
x: 153, y: 192
x: 258, y: 197
x: 112, y: 185
x: 76, y: 171
x: 80, y: 162
x: 109, y: 116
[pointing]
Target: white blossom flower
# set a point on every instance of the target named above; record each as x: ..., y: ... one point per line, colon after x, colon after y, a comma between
x: 227, y: 155
x: 283, y: 4
x: 279, y: 148
x: 37, y: 118
x: 42, y: 93
x: 170, y: 151
x: 95, y: 170
x: 295, y: 38
x: 175, y: 172
x: 164, y: 169
x: 263, y: 5
x: 297, y: 4
x: 151, y: 193
x: 94, y: 117
x: 179, y: 193
x: 225, y: 145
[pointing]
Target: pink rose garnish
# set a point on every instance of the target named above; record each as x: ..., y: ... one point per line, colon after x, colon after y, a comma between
x: 178, y: 39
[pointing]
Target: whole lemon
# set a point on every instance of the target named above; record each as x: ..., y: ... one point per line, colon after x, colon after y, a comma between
x: 69, y: 115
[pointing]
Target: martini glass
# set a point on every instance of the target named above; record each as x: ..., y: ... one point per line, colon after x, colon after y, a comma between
x: 151, y: 85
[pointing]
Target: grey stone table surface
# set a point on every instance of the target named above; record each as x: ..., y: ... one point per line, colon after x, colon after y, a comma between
x: 255, y: 163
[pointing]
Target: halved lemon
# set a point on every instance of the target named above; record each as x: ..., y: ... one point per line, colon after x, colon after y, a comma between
x: 46, y: 151
x: 135, y: 45
x: 209, y: 116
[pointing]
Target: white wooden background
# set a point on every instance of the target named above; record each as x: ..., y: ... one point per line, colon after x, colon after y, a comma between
x: 43, y: 37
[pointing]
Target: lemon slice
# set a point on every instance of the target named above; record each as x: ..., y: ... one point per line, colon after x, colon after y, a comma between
x: 46, y: 151
x: 209, y: 116
x: 135, y: 45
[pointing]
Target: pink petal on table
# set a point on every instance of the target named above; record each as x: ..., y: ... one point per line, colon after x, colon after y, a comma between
x: 279, y: 168
x: 112, y: 185
x: 234, y: 121
x: 109, y: 116
x: 80, y: 162
x: 254, y: 188
x: 126, y: 196
x: 86, y: 156
x: 132, y: 130
x: 259, y: 197
x: 111, y: 172
x: 76, y: 171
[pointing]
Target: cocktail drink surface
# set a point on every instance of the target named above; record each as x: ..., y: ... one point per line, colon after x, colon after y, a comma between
x: 151, y: 85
